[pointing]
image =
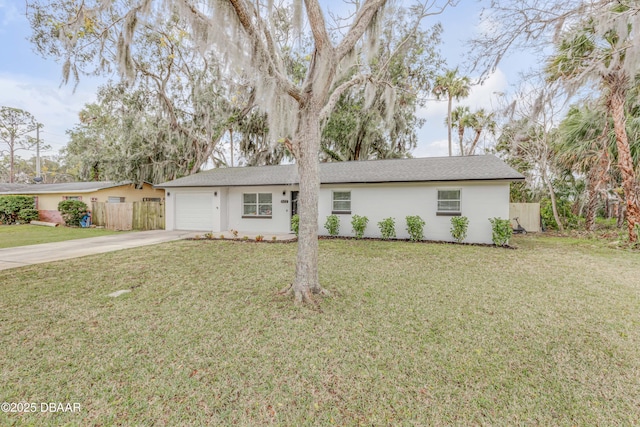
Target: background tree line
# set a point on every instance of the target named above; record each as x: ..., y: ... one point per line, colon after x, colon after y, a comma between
x: 571, y: 131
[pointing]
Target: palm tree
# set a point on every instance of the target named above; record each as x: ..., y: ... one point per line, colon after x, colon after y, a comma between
x: 589, y: 54
x: 461, y: 118
x: 481, y: 121
x: 584, y: 147
x: 453, y: 86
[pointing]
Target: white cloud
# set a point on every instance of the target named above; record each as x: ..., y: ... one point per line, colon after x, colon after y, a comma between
x: 55, y: 107
x: 438, y: 148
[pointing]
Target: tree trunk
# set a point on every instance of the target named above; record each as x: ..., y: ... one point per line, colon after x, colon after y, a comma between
x: 597, y: 179
x: 592, y: 205
x: 461, y: 137
x: 231, y: 144
x: 306, y: 282
x: 616, y: 83
x: 554, y: 206
x: 11, y: 158
x: 620, y: 213
x: 449, y: 124
x: 475, y: 142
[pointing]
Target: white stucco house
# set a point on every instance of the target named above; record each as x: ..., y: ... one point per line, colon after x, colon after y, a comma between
x: 263, y: 199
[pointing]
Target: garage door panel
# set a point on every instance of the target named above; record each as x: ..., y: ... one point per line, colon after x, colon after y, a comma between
x: 194, y: 211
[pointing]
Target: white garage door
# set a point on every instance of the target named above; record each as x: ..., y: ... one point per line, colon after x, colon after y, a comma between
x: 194, y: 211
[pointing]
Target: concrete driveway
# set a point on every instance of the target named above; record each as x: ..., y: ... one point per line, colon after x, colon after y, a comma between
x: 36, y: 254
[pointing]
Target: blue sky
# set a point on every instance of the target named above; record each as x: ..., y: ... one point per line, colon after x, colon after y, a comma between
x: 32, y: 83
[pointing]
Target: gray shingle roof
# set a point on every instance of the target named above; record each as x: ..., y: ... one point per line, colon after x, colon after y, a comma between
x: 65, y: 187
x: 11, y: 187
x: 436, y: 169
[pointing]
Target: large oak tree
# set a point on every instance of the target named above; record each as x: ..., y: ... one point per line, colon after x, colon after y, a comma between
x: 241, y: 32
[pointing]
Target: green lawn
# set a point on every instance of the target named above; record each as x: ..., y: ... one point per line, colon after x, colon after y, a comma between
x: 415, y: 334
x: 23, y: 235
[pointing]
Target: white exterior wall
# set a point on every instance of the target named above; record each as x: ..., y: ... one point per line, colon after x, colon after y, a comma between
x: 479, y: 202
x: 224, y: 209
x: 280, y: 221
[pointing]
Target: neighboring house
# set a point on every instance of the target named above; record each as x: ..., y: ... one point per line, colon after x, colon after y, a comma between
x: 47, y: 196
x: 263, y: 199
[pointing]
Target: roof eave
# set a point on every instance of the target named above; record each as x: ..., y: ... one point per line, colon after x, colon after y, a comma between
x: 510, y: 179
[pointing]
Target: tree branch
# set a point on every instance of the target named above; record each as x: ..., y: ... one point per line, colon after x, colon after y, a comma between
x: 360, y: 24
x: 318, y: 27
x: 338, y: 91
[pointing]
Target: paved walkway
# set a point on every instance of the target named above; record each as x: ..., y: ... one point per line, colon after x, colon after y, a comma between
x: 46, y: 252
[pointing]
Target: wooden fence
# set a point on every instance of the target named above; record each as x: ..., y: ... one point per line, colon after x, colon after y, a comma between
x: 527, y: 213
x: 129, y: 216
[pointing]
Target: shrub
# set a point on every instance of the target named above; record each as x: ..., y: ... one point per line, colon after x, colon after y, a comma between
x: 459, y: 227
x: 568, y: 218
x: 502, y: 231
x: 28, y: 215
x: 295, y: 223
x: 332, y: 224
x: 415, y: 227
x: 359, y: 223
x: 11, y: 207
x: 387, y: 228
x: 259, y: 238
x: 637, y: 230
x: 72, y: 211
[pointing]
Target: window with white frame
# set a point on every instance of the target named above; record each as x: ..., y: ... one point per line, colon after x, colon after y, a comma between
x: 258, y: 205
x: 449, y: 202
x: 341, y: 202
x: 115, y: 199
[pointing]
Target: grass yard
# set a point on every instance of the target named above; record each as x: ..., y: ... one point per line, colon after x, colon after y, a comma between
x: 23, y: 235
x: 415, y: 334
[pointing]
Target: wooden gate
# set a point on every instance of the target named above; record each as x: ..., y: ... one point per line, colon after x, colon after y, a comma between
x: 148, y: 216
x: 129, y: 216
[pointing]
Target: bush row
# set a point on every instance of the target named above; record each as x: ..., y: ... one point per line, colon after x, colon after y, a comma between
x: 501, y: 228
